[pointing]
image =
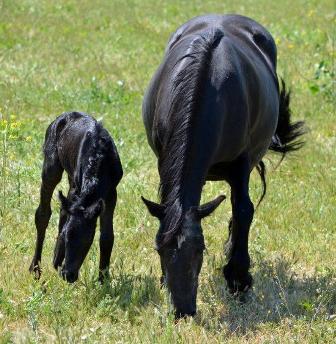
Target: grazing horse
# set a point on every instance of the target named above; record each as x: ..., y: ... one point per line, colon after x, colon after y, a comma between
x: 211, y: 112
x: 78, y: 144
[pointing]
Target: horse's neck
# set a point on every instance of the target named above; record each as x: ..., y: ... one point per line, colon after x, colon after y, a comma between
x: 187, y: 189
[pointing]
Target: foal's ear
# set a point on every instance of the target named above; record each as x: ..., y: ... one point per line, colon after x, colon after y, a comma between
x: 64, y: 201
x: 95, y: 209
x: 207, y: 208
x: 155, y: 209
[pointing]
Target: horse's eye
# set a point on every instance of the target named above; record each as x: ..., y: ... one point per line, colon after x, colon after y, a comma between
x: 200, y: 249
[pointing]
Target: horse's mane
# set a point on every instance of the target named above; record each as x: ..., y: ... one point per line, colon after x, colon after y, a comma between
x: 186, y: 95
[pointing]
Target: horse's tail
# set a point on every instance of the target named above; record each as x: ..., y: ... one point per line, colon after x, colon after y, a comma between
x: 287, y: 134
x: 261, y: 169
x: 286, y: 138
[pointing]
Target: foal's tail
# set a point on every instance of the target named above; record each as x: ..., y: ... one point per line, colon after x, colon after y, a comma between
x: 287, y: 134
x: 286, y: 138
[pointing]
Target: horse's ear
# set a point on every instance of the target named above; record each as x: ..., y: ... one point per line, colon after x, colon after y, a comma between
x: 207, y: 208
x: 155, y: 209
x: 95, y: 209
x: 64, y: 201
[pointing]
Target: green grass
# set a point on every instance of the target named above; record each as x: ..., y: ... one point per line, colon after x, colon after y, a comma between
x: 98, y: 57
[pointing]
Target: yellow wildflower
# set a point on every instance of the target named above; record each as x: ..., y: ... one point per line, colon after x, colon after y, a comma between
x: 14, y: 125
x: 28, y: 138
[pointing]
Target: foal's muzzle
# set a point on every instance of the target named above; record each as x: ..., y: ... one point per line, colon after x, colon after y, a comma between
x: 69, y: 276
x: 185, y: 313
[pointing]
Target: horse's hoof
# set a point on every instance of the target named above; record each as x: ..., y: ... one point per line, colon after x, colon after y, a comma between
x: 237, y: 281
x: 36, y: 270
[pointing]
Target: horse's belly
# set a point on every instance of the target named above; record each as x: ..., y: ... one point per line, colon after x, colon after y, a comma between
x: 247, y: 133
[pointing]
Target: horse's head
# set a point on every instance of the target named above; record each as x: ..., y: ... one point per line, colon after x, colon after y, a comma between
x: 181, y: 253
x: 77, y: 234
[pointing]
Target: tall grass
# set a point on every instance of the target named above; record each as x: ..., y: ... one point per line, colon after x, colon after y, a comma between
x: 98, y: 57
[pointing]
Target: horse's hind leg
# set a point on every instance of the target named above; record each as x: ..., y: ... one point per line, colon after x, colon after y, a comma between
x: 51, y: 176
x: 236, y: 271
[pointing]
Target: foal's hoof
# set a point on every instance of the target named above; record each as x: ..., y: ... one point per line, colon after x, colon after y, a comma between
x: 162, y: 282
x: 36, y: 270
x: 238, y: 282
x: 57, y: 262
x: 104, y: 277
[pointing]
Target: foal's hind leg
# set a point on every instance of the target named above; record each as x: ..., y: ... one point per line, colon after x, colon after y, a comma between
x: 106, y: 235
x: 236, y: 271
x: 51, y: 176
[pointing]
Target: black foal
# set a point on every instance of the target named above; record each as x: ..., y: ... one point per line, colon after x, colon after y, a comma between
x: 78, y: 144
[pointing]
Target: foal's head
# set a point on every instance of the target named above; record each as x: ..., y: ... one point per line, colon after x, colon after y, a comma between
x: 181, y: 252
x: 78, y: 233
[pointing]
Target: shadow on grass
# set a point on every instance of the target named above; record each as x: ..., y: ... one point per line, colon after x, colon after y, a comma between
x: 279, y: 293
x: 132, y: 289
x: 124, y: 292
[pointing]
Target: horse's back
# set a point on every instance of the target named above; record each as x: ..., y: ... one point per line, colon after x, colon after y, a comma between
x: 237, y: 26
x: 243, y: 81
x: 239, y: 101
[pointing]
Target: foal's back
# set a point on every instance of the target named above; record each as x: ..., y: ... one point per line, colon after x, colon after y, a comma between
x: 68, y: 133
x: 76, y: 137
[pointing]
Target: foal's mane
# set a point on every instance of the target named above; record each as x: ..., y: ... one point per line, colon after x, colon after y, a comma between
x: 185, y: 100
x: 87, y: 176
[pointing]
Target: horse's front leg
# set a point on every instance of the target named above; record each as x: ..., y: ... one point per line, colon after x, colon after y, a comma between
x: 51, y: 176
x: 236, y: 272
x: 106, y: 235
x: 228, y: 244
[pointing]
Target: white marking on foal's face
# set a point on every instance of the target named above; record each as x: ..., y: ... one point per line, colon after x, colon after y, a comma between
x: 180, y: 240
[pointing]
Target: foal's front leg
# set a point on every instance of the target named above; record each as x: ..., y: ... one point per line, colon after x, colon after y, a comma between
x: 106, y: 235
x: 59, y: 252
x: 51, y: 176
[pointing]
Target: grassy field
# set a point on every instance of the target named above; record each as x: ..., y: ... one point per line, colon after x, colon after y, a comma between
x: 98, y: 57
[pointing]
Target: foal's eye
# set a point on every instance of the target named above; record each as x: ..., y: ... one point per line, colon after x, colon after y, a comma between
x: 173, y: 255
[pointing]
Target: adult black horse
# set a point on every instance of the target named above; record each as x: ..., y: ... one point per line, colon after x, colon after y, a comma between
x: 211, y: 112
